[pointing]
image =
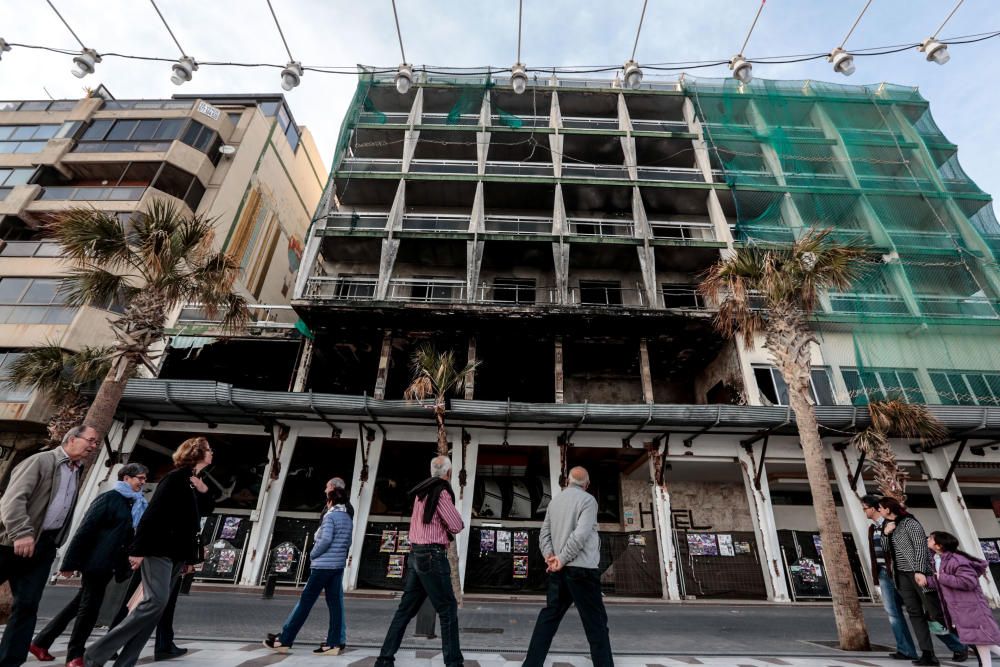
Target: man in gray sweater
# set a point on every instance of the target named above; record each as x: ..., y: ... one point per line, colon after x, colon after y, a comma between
x: 572, y: 550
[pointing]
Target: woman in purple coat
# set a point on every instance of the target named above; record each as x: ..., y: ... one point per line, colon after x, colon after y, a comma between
x: 964, y: 605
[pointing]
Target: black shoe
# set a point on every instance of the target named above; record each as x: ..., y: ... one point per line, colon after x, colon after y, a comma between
x: 385, y: 662
x: 900, y: 656
x: 926, y: 659
x: 960, y: 656
x: 172, y: 652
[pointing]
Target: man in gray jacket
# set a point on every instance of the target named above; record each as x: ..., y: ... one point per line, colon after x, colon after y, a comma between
x: 572, y: 550
x: 35, y: 516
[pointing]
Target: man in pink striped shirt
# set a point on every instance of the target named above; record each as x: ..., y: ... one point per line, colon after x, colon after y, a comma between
x: 434, y: 523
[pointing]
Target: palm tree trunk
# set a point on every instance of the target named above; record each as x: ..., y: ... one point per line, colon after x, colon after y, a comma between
x: 789, y: 342
x: 101, y: 414
x: 442, y: 450
x: 439, y: 409
x: 6, y: 601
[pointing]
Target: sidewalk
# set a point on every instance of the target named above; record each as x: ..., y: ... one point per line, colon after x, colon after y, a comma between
x: 205, y: 653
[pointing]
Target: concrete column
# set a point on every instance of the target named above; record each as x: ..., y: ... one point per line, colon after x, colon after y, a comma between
x: 307, y: 267
x: 470, y: 378
x: 559, y: 396
x: 644, y: 371
x: 301, y: 377
x: 844, y: 464
x: 361, y: 498
x: 669, y: 572
x: 463, y: 497
x: 764, y: 527
x: 383, y: 365
x: 555, y: 469
x: 951, y: 504
x: 264, y: 515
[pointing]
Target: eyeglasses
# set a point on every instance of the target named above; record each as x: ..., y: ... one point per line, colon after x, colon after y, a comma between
x: 92, y: 441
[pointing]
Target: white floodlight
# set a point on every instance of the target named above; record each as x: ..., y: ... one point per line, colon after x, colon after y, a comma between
x: 518, y: 78
x: 742, y: 68
x: 632, y: 74
x: 4, y: 46
x: 404, y: 78
x: 85, y: 63
x: 843, y: 62
x: 183, y: 70
x: 291, y: 76
x: 936, y: 51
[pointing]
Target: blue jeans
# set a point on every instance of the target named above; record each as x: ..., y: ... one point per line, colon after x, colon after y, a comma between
x: 893, y: 605
x: 330, y: 582
x: 343, y: 618
x: 428, y: 575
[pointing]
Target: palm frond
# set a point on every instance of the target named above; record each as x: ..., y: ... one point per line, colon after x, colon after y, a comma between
x: 41, y: 368
x: 89, y: 235
x: 91, y: 284
x: 435, y: 374
x: 900, y: 419
x: 235, y: 313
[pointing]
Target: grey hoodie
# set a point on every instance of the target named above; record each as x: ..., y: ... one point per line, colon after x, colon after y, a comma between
x: 570, y: 529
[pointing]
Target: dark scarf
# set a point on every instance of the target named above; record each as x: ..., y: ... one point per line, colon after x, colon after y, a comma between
x: 430, y: 490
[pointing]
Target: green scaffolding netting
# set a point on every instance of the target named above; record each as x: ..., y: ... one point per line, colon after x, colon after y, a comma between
x: 920, y: 321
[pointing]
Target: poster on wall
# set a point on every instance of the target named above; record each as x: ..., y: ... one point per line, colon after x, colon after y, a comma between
x: 230, y: 528
x: 742, y: 548
x: 819, y: 546
x: 284, y: 557
x: 520, y: 567
x: 388, y: 542
x: 487, y: 541
x: 503, y: 541
x: 990, y: 550
x: 520, y: 541
x: 226, y: 562
x: 403, y: 542
x: 636, y: 540
x: 702, y: 544
x: 394, y: 570
x: 726, y: 547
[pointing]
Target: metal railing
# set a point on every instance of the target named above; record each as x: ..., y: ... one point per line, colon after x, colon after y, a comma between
x: 515, y: 294
x: 372, y: 165
x: 121, y: 147
x: 341, y: 288
x: 575, y: 170
x: 681, y: 297
x: 956, y: 306
x: 39, y: 105
x: 519, y: 168
x: 911, y: 238
x: 686, y: 230
x: 608, y: 296
x: 92, y: 193
x: 352, y: 221
x: 426, y: 290
x: 687, y: 174
x: 113, y: 105
x: 586, y: 123
x: 513, y: 224
x: 261, y: 316
x: 443, y: 167
x: 30, y: 249
x: 644, y: 125
x: 435, y: 222
x: 391, y: 118
x: 525, y: 121
x: 868, y: 304
x: 601, y: 227
x: 448, y: 119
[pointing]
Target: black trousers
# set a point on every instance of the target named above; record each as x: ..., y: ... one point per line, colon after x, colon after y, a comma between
x: 914, y: 602
x: 27, y: 577
x: 582, y: 587
x: 165, y: 627
x: 82, y: 611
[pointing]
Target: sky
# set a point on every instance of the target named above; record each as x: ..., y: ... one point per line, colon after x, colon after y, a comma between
x: 466, y: 33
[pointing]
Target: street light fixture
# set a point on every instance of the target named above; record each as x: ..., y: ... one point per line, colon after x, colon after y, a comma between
x: 85, y: 63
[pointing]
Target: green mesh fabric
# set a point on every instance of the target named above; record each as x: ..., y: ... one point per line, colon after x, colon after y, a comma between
x: 869, y: 162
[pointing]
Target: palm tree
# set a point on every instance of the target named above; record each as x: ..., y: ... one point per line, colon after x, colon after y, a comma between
x: 435, y: 375
x: 772, y: 291
x: 895, y: 418
x: 59, y: 374
x: 153, y: 264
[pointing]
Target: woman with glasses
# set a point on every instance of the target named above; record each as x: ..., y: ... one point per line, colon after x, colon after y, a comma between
x: 98, y: 551
x: 167, y: 544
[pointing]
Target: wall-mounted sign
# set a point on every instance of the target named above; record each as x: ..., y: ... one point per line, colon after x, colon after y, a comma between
x: 209, y: 110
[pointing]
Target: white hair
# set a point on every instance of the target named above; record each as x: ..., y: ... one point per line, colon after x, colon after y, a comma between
x: 440, y: 465
x: 75, y: 432
x: 337, y: 483
x: 579, y: 476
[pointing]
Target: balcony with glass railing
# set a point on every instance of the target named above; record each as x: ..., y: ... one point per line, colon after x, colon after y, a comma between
x: 602, y: 227
x: 686, y: 174
x: 262, y: 318
x: 91, y: 193
x: 457, y: 167
x: 515, y: 293
x: 918, y: 239
x: 359, y: 165
x: 974, y: 306
x: 518, y: 225
x: 868, y: 304
x: 499, y: 168
x: 449, y: 119
x: 586, y: 123
x: 601, y: 295
x: 518, y: 121
x: 596, y: 171
x: 683, y: 230
x: 30, y: 249
x: 357, y: 221
x: 340, y: 288
x: 435, y: 222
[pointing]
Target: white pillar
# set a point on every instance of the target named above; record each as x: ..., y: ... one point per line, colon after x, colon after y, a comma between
x: 956, y: 516
x: 764, y: 526
x: 664, y: 534
x: 465, y: 501
x: 555, y: 468
x: 361, y: 498
x: 844, y: 464
x: 266, y: 512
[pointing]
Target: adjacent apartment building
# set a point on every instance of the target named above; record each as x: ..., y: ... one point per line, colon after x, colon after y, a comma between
x: 241, y: 160
x: 557, y: 237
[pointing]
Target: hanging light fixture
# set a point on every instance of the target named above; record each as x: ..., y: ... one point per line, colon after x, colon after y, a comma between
x: 936, y: 51
x: 518, y: 78
x: 183, y: 70
x: 632, y: 74
x: 291, y: 76
x: 742, y: 68
x: 4, y: 46
x: 404, y: 78
x: 843, y: 62
x: 85, y: 63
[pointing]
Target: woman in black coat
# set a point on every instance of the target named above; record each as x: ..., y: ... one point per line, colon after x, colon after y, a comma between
x: 98, y: 550
x: 167, y: 544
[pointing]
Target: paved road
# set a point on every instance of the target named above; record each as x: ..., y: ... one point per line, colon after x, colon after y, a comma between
x: 639, y: 629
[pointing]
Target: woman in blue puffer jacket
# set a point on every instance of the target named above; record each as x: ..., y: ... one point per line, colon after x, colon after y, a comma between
x: 328, y: 556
